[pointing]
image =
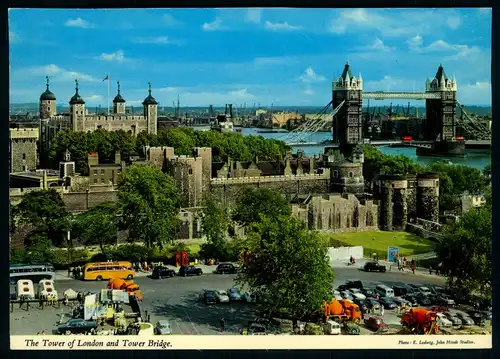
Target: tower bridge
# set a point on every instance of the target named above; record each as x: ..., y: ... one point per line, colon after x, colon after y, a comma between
x: 439, y: 127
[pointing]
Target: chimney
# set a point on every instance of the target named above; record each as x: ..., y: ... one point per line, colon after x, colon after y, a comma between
x: 211, y: 111
x: 231, y: 110
x: 118, y: 158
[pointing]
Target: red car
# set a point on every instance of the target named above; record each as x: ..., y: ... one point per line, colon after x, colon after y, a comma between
x: 376, y: 324
x: 439, y: 309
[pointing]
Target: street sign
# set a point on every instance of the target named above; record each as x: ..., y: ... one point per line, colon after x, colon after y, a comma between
x: 392, y: 254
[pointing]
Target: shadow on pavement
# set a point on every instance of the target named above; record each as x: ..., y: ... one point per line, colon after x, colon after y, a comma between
x: 193, y: 309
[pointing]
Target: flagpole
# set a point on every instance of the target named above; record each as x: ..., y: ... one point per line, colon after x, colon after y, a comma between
x: 108, y: 94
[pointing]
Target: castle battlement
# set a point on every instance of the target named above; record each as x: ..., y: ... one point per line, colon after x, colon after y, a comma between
x: 24, y: 133
x: 264, y: 179
x: 115, y: 118
x: 185, y: 160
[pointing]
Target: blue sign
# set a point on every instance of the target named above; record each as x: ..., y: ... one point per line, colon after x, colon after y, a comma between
x: 392, y: 254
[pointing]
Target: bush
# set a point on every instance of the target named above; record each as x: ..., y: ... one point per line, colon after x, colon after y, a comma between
x: 130, y: 252
x: 17, y: 256
x: 313, y: 329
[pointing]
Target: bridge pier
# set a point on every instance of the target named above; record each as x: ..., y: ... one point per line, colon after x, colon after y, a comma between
x: 443, y: 149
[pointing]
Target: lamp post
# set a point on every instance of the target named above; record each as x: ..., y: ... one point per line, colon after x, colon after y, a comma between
x: 69, y: 254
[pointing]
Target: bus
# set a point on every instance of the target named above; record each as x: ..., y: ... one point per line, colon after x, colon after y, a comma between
x: 34, y: 272
x: 108, y: 270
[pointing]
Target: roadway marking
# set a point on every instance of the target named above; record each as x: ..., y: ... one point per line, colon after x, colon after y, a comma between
x: 191, y: 322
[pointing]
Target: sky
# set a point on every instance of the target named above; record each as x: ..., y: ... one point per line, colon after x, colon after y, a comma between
x: 281, y: 57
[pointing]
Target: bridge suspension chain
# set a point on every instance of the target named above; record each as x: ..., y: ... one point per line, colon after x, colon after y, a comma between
x: 312, y: 126
x: 473, y: 127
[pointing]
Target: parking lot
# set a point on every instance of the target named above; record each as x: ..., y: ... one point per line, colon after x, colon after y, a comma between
x: 178, y: 300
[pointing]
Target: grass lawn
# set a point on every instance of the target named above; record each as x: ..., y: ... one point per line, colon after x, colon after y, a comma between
x: 194, y: 247
x: 378, y: 242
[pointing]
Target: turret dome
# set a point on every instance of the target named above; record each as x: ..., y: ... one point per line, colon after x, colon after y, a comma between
x: 150, y: 100
x: 76, y: 99
x: 47, y: 95
x: 118, y: 98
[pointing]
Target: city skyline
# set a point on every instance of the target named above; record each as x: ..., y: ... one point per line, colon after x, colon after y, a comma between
x: 284, y: 57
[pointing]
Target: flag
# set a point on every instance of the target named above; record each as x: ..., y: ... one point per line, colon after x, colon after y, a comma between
x: 106, y: 78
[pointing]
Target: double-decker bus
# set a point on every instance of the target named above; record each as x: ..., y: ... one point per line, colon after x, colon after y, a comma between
x: 34, y: 271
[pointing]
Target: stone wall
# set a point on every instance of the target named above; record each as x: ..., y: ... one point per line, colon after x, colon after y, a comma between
x: 23, y: 149
x: 428, y: 196
x: 79, y: 202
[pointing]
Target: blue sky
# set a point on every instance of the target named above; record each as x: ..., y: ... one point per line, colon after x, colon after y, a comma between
x: 266, y: 56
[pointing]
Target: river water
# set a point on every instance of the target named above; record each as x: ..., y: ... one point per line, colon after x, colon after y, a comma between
x: 474, y: 158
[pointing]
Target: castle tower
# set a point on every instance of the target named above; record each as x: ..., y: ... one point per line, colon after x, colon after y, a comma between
x: 66, y: 168
x: 206, y: 155
x: 348, y: 122
x: 77, y: 110
x: 151, y: 112
x: 393, y: 202
x: 119, y: 102
x: 440, y: 113
x: 23, y: 149
x: 428, y: 196
x: 47, y: 103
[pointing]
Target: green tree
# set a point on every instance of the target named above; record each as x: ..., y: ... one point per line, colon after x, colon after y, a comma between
x: 46, y: 212
x: 257, y: 202
x: 287, y: 264
x: 215, y: 224
x: 150, y: 203
x: 97, y: 226
x: 465, y: 252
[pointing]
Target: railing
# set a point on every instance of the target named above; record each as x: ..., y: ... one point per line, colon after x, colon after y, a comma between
x: 402, y: 95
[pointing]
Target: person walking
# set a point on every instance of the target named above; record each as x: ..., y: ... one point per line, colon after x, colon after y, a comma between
x: 222, y: 324
x: 382, y: 310
x: 413, y: 268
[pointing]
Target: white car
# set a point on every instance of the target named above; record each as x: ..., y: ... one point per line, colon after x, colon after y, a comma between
x: 249, y: 297
x: 442, y: 321
x: 425, y: 291
x: 222, y: 296
x: 358, y: 295
x: 346, y: 295
x: 332, y: 328
x: 234, y: 294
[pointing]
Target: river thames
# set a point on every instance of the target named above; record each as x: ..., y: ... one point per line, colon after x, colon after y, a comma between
x: 474, y: 158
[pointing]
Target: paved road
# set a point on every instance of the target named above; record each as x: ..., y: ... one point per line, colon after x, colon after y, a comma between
x: 177, y: 299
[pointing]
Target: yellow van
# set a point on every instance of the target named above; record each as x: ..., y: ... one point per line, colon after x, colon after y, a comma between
x: 108, y: 270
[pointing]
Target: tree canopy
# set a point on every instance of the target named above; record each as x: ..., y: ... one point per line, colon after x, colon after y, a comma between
x: 215, y: 225
x: 465, y: 252
x: 45, y: 211
x: 287, y: 265
x: 182, y: 139
x: 257, y: 202
x: 149, y: 201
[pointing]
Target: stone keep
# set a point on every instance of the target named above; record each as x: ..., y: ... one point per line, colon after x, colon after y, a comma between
x: 393, y: 202
x: 23, y: 149
x: 428, y: 196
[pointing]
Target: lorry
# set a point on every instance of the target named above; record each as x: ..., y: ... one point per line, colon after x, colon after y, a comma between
x: 342, y: 311
x: 420, y: 321
x: 127, y: 286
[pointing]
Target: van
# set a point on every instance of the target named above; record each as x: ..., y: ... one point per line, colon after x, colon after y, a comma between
x: 25, y: 289
x: 384, y: 291
x: 46, y: 289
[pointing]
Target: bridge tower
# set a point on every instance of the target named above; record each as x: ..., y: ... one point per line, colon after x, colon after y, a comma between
x: 348, y: 122
x: 440, y: 113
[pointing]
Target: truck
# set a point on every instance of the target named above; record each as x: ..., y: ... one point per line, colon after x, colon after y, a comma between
x: 342, y: 311
x: 127, y: 286
x: 420, y: 321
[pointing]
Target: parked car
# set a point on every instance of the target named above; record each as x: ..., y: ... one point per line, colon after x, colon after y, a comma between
x: 209, y: 297
x: 226, y: 268
x: 480, y: 317
x: 249, y: 297
x: 162, y: 272
x: 76, y: 326
x: 400, y: 291
x: 376, y: 324
x: 374, y: 267
x: 354, y: 284
x: 346, y: 295
x: 422, y: 300
x: 442, y: 321
x: 189, y: 270
x: 368, y: 292
x: 453, y: 318
x: 466, y: 320
x: 400, y: 301
x: 412, y: 300
x: 439, y: 309
x: 222, y: 296
x: 436, y: 289
x: 410, y: 289
x: 415, y: 287
x: 448, y: 298
x: 357, y: 295
x: 372, y: 303
x: 234, y: 294
x: 437, y: 299
x: 388, y: 303
x: 162, y: 327
x: 425, y: 291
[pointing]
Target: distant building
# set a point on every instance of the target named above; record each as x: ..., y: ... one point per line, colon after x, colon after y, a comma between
x: 104, y: 174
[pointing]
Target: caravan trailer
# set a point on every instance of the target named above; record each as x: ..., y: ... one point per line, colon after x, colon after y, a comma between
x: 46, y: 289
x: 25, y: 289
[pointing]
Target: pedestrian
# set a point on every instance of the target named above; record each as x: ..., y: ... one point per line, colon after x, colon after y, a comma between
x: 382, y: 310
x: 378, y: 296
x: 413, y: 268
x: 350, y: 260
x: 430, y: 270
x: 222, y: 324
x: 43, y: 332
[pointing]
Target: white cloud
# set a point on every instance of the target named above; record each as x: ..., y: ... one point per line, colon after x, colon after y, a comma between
x: 170, y: 20
x: 79, y: 22
x: 379, y: 45
x: 458, y: 51
x: 308, y: 91
x: 241, y: 94
x: 389, y: 83
x: 281, y: 26
x: 159, y: 40
x: 14, y: 38
x: 415, y: 42
x: 117, y: 56
x: 406, y: 23
x: 212, y: 26
x: 478, y: 93
x: 484, y: 10
x: 167, y: 89
x: 253, y: 15
x: 453, y: 22
x: 311, y: 76
x: 57, y: 73
x: 269, y: 60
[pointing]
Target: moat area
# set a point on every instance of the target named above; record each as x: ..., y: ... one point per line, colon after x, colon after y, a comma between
x: 474, y: 158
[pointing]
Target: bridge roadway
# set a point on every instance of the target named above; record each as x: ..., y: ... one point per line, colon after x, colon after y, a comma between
x: 468, y: 143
